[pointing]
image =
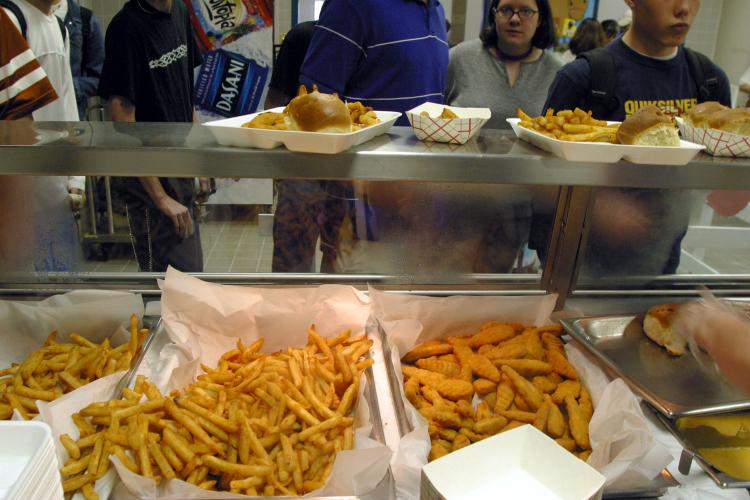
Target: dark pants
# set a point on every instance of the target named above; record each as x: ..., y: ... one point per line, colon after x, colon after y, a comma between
x: 156, y: 244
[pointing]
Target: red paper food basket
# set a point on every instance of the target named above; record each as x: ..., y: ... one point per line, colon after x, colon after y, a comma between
x: 717, y: 142
x: 452, y: 130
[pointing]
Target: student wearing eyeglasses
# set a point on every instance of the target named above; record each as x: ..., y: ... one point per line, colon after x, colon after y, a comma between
x: 507, y: 67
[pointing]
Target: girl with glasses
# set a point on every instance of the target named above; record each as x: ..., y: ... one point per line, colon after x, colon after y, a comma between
x: 507, y: 67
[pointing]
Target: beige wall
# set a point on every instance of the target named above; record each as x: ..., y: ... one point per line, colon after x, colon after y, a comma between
x: 733, y: 39
x: 702, y: 36
x: 105, y: 10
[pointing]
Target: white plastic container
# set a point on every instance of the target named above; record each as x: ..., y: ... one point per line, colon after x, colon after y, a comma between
x: 717, y: 142
x: 520, y: 463
x: 451, y: 130
x: 603, y: 152
x: 230, y: 132
x: 28, y: 464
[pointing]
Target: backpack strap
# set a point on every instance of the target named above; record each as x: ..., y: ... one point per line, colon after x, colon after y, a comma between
x: 63, y: 29
x: 702, y: 71
x: 601, y: 98
x: 16, y: 10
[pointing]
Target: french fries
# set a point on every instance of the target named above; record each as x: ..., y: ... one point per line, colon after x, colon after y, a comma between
x: 58, y: 368
x: 446, y: 114
x: 256, y: 424
x: 575, y: 126
x: 532, y: 383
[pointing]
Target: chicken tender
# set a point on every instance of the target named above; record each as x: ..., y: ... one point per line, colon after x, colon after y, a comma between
x: 526, y: 367
x: 491, y: 335
x: 526, y: 389
x: 491, y: 425
x: 504, y: 396
x: 427, y: 350
x: 566, y: 388
x: 483, y: 386
x: 587, y: 406
x: 508, y: 351
x: 556, y: 425
x: 533, y: 342
x: 450, y: 370
x: 561, y: 365
x: 579, y: 426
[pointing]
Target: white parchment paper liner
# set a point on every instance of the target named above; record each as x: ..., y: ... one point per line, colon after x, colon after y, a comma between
x: 622, y: 456
x: 204, y: 320
x: 95, y: 314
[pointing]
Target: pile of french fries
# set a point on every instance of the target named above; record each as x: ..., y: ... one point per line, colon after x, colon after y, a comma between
x: 521, y: 376
x: 575, y: 126
x: 58, y: 368
x: 256, y: 424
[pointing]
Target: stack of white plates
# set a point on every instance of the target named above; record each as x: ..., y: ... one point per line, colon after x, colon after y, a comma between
x: 28, y: 465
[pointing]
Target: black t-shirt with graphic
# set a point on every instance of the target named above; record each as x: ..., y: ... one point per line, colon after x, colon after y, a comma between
x: 150, y: 58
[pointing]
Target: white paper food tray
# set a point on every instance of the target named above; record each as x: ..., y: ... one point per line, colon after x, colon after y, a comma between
x: 230, y: 132
x: 451, y: 130
x: 602, y: 152
x: 717, y: 142
x: 26, y: 458
x: 520, y: 463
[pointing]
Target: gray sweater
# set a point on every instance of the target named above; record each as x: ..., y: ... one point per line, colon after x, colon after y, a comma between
x: 477, y: 79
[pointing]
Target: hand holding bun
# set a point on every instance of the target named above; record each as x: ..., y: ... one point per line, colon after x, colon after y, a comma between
x: 318, y: 112
x: 649, y: 126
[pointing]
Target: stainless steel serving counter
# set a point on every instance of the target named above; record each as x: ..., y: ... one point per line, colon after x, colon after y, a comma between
x: 179, y: 150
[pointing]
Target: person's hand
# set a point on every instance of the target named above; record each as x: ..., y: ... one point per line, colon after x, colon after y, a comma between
x: 204, y: 189
x: 76, y: 199
x: 178, y: 214
x: 723, y: 333
x: 727, y: 202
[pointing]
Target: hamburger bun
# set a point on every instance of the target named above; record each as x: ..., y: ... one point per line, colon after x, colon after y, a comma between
x: 697, y: 116
x: 657, y: 325
x: 318, y: 112
x: 735, y: 121
x: 649, y: 126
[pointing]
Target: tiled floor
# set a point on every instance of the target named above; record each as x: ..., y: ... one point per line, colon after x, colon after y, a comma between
x: 228, y: 246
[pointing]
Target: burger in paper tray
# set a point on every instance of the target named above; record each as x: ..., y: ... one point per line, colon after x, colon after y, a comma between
x: 439, y: 123
x: 724, y: 131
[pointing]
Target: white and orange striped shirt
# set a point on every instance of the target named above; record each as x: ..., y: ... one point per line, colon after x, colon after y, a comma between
x: 24, y: 86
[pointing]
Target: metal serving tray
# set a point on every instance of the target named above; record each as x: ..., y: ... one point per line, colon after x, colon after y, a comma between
x: 690, y: 454
x: 649, y: 489
x: 675, y: 385
x: 380, y: 404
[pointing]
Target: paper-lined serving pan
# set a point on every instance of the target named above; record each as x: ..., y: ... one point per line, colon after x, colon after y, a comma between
x: 201, y: 321
x: 630, y: 458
